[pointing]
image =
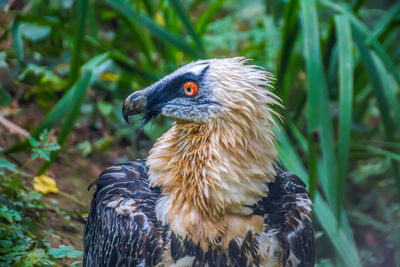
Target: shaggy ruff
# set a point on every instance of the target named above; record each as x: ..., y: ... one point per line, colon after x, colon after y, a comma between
x: 210, y: 172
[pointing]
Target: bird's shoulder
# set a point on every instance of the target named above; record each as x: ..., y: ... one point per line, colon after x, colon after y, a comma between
x: 287, y: 209
x: 124, y: 188
x: 122, y: 219
x: 131, y: 171
x: 288, y: 188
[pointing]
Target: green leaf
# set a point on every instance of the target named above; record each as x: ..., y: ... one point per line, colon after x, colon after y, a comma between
x: 5, y: 98
x: 388, y: 88
x: 9, y: 214
x: 379, y: 151
x: 5, y: 243
x: 339, y: 234
x: 86, y: 148
x: 290, y: 31
x: 291, y: 159
x: 17, y: 40
x: 343, y: 33
x: 92, y: 20
x: 300, y: 139
x: 74, y: 254
x: 4, y: 164
x: 205, y: 19
x: 315, y: 75
x: 318, y: 102
x: 370, y: 37
x: 71, y: 116
x: 33, y: 141
x: 3, y: 63
x: 81, y: 11
x: 105, y: 108
x: 388, y: 17
x: 375, y: 74
x: 55, y: 115
x: 137, y: 38
x: 58, y: 252
x: 182, y: 15
x: 338, y: 237
x: 64, y: 251
x: 34, y: 32
x: 127, y: 10
x: 96, y: 65
x: 74, y: 107
x: 35, y: 255
x: 35, y: 154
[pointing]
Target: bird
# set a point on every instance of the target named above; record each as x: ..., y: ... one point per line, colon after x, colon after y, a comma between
x: 210, y: 192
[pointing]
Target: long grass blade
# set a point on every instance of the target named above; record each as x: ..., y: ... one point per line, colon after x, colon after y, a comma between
x: 205, y: 19
x: 317, y: 100
x: 314, y: 73
x: 331, y: 39
x: 299, y: 138
x: 74, y: 107
x: 340, y: 235
x: 292, y: 160
x: 58, y: 112
x: 54, y: 116
x: 138, y: 39
x: 290, y: 30
x: 386, y: 20
x: 372, y: 39
x: 71, y: 116
x: 378, y: 83
x: 76, y: 59
x: 122, y: 60
x: 182, y: 15
x: 149, y: 7
x: 379, y: 151
x: 388, y: 90
x: 5, y: 98
x: 127, y: 10
x: 17, y: 40
x: 343, y: 33
x: 344, y: 246
x: 92, y: 20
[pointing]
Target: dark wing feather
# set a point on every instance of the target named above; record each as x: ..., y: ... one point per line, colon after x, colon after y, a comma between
x: 122, y: 229
x: 288, y: 206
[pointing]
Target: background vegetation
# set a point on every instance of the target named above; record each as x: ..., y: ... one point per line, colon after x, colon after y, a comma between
x: 67, y: 65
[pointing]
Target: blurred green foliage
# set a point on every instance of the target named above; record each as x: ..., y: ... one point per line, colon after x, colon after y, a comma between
x: 22, y: 242
x: 337, y: 68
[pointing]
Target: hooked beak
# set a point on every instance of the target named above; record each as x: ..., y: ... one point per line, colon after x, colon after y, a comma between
x: 134, y: 104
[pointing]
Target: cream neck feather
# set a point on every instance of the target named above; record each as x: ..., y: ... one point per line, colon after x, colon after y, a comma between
x: 209, y: 173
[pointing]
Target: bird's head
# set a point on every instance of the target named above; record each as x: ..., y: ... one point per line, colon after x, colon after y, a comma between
x: 203, y: 91
x: 219, y: 155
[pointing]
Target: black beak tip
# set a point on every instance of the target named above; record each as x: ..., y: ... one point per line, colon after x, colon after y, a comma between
x: 126, y: 118
x: 134, y: 104
x: 125, y: 114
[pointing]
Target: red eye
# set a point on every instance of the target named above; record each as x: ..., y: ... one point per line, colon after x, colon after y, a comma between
x: 190, y: 89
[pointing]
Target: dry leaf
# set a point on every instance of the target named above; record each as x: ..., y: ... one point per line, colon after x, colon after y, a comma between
x: 45, y: 184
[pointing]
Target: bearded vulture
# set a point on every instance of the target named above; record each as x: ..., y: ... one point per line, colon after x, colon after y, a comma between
x: 210, y: 193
